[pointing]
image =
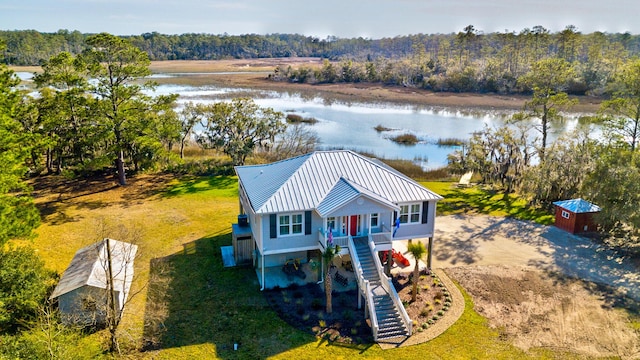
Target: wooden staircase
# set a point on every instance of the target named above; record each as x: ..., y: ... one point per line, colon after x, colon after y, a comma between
x: 389, y: 317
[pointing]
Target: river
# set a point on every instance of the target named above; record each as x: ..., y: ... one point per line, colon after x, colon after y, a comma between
x: 352, y: 125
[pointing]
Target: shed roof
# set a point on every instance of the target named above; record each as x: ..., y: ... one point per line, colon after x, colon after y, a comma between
x: 89, y: 267
x: 577, y: 206
x: 304, y: 182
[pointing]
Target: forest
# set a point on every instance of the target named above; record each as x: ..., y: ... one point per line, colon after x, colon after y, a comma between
x: 467, y: 61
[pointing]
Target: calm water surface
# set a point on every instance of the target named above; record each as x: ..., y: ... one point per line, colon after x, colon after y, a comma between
x: 351, y: 126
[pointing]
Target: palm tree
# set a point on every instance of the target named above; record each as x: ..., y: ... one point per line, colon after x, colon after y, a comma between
x: 418, y: 251
x: 329, y: 253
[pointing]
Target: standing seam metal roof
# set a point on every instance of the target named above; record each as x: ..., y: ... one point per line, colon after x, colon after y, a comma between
x: 303, y: 182
x: 577, y: 206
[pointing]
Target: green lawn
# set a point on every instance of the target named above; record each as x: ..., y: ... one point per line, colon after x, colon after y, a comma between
x: 190, y: 307
x: 482, y: 200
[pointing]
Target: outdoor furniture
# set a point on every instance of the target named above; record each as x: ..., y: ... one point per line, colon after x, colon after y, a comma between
x: 347, y: 265
x: 340, y: 279
x: 293, y: 268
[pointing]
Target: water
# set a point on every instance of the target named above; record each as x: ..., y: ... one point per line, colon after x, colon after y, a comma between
x: 351, y: 126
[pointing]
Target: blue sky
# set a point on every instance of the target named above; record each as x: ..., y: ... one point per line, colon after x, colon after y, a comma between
x: 342, y: 18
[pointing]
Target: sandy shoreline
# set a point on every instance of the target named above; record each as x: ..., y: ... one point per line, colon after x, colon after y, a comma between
x: 252, y: 73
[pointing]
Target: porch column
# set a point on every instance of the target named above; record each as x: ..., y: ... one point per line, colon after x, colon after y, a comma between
x: 387, y: 267
x: 429, y: 249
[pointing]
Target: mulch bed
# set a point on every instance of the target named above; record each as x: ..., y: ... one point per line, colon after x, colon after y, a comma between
x: 303, y: 307
x: 432, y: 301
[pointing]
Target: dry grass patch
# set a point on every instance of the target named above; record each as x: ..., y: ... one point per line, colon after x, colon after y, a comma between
x: 534, y: 309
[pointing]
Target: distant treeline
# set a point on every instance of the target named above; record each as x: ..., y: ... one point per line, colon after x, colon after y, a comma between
x: 30, y: 47
x: 467, y: 61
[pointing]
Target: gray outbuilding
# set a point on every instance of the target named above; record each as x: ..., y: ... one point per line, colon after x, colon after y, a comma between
x: 83, y: 288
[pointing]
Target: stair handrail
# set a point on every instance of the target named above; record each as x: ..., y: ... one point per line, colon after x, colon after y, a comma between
x: 364, y: 286
x: 355, y: 260
x: 387, y: 284
x: 372, y: 310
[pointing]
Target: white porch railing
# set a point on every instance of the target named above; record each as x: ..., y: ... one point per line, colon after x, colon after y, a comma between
x: 364, y: 286
x: 342, y: 241
x: 387, y: 284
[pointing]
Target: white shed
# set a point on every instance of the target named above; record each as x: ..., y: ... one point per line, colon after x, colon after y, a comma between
x: 82, y: 289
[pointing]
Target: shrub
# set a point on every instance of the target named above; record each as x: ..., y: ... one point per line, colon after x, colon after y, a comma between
x: 316, y: 304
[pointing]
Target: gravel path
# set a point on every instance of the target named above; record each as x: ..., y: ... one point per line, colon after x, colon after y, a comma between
x: 463, y: 240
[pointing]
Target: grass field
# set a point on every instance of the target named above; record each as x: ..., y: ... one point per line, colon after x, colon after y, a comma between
x: 487, y: 201
x: 188, y: 306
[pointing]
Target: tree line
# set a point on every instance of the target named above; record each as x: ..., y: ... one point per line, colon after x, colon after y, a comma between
x: 470, y: 61
x: 466, y: 61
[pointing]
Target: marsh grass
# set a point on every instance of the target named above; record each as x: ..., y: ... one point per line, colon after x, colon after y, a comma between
x: 450, y: 142
x: 298, y: 119
x: 405, y: 139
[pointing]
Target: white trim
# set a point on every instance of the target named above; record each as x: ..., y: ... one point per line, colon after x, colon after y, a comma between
x: 289, y: 250
x: 290, y: 225
x: 410, y: 213
x: 377, y: 217
x: 565, y: 214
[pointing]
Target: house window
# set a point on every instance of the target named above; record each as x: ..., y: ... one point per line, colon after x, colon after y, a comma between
x: 374, y: 220
x: 565, y: 214
x: 331, y: 223
x: 410, y: 214
x: 290, y: 224
x: 415, y: 213
x: 343, y: 225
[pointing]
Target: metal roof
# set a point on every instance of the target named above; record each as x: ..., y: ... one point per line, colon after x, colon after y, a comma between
x: 89, y: 267
x: 345, y: 191
x: 577, y: 206
x: 303, y: 182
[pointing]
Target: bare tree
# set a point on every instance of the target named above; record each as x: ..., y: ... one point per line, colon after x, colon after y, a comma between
x: 117, y: 265
x: 297, y: 140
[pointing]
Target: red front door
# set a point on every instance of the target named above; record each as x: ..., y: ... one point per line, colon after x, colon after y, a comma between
x: 353, y: 225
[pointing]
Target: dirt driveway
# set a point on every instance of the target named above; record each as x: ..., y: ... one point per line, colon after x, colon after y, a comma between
x: 463, y: 240
x: 541, y: 287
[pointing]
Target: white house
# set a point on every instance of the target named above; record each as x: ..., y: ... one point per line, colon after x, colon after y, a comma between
x: 291, y: 205
x: 82, y: 289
